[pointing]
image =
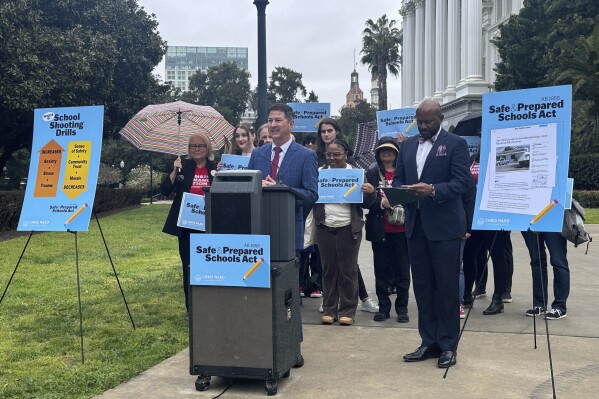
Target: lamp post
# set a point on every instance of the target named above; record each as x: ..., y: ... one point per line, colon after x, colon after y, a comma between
x: 122, y: 165
x: 261, y: 8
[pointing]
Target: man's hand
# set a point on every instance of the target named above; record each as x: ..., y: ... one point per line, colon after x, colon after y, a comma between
x: 421, y: 189
x: 269, y: 181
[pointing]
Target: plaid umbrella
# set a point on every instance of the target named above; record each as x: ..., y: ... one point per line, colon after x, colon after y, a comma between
x: 366, y: 138
x: 165, y: 128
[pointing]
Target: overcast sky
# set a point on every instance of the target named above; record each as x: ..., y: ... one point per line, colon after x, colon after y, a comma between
x: 317, y: 38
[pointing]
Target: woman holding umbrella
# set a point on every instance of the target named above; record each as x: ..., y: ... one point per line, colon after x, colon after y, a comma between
x: 189, y: 175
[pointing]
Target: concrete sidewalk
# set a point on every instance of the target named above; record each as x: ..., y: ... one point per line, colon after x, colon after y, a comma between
x: 496, y: 356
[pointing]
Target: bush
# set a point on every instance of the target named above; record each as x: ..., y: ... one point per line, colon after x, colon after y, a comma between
x: 584, y: 171
x: 588, y: 199
x: 11, y: 203
x: 109, y: 176
x: 139, y: 178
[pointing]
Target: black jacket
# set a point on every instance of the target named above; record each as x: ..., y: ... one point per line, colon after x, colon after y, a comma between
x: 167, y: 187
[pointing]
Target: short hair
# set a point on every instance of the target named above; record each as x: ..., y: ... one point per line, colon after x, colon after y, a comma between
x: 206, y: 139
x: 286, y: 109
x: 265, y: 126
x: 309, y: 138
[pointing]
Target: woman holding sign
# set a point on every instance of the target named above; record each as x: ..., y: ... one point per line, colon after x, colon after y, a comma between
x: 338, y: 236
x: 243, y: 140
x: 189, y: 175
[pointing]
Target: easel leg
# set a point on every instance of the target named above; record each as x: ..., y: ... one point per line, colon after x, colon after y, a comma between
x: 114, y: 270
x: 16, y: 267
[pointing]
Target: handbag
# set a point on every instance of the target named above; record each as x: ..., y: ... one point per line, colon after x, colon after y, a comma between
x: 395, y: 215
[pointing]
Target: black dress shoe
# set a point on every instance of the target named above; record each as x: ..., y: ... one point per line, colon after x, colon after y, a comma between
x: 447, y: 359
x: 299, y: 362
x: 495, y: 307
x: 422, y: 353
x: 380, y: 316
x: 403, y: 318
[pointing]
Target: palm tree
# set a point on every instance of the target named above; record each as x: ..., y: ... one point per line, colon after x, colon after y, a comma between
x: 380, y: 51
x: 582, y: 69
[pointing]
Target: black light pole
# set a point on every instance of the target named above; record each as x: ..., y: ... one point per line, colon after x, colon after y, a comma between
x: 261, y: 7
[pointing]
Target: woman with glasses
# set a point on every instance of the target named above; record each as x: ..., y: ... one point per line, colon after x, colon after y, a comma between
x: 338, y: 236
x: 189, y: 175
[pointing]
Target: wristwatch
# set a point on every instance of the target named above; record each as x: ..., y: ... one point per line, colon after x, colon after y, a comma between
x: 433, y: 193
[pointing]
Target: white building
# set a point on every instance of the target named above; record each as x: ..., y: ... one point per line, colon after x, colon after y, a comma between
x: 447, y: 52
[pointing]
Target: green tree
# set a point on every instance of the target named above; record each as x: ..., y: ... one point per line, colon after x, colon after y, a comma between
x: 540, y: 44
x: 312, y: 97
x: 351, y: 116
x: 59, y: 53
x: 224, y: 87
x: 284, y: 86
x: 380, y: 51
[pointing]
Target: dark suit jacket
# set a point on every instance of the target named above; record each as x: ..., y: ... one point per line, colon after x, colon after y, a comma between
x: 299, y: 171
x: 167, y: 187
x: 447, y: 168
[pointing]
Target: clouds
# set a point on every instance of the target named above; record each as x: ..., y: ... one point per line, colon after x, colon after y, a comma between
x: 314, y: 37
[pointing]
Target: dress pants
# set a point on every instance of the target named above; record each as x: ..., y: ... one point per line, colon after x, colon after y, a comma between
x: 558, y: 247
x: 392, y: 263
x: 185, y: 260
x: 339, y: 256
x: 435, y: 276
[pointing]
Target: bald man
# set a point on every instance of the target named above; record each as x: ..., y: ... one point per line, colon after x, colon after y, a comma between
x: 435, y: 165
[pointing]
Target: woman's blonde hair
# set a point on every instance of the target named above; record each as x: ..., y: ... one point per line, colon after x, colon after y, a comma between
x: 206, y: 140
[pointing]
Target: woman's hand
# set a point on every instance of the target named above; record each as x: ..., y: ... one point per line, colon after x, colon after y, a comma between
x: 219, y: 166
x: 177, y: 164
x: 367, y: 188
x: 385, y: 203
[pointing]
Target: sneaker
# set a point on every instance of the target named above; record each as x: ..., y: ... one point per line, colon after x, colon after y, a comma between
x: 478, y: 293
x: 462, y: 312
x: 368, y: 305
x: 555, y: 314
x: 316, y: 294
x: 320, y: 308
x: 506, y: 297
x: 302, y: 294
x: 535, y: 311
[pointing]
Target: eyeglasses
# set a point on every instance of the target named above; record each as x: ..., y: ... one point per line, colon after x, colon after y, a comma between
x: 198, y: 146
x: 335, y: 155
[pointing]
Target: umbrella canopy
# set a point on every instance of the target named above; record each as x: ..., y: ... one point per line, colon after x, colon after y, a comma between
x: 470, y: 125
x: 165, y: 128
x: 366, y: 138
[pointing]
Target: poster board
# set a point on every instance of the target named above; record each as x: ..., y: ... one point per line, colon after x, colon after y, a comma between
x: 397, y: 121
x: 63, y: 172
x: 525, y: 149
x: 307, y: 115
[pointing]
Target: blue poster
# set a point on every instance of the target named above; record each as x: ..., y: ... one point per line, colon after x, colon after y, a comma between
x: 234, y: 162
x: 340, y: 186
x: 395, y: 121
x: 473, y: 144
x: 63, y: 172
x: 191, y: 213
x: 525, y: 149
x: 230, y: 260
x: 307, y: 115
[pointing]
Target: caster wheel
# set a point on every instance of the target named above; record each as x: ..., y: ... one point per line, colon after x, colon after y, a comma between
x: 287, y: 374
x: 202, y: 383
x: 271, y: 387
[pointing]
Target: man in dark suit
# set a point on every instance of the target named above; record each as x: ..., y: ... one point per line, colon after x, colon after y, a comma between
x: 287, y: 162
x: 435, y: 166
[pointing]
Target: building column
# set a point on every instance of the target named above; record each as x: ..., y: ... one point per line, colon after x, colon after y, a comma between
x: 463, y: 40
x: 429, y: 48
x: 440, y: 49
x: 408, y: 62
x: 473, y: 82
x: 419, y: 51
x: 453, y: 49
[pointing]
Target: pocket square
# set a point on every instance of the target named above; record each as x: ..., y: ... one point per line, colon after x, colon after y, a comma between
x: 441, y: 151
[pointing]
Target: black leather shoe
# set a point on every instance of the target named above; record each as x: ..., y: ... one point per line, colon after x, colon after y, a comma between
x: 495, y: 307
x: 300, y: 361
x: 403, y: 318
x: 380, y: 316
x: 447, y: 359
x: 422, y: 353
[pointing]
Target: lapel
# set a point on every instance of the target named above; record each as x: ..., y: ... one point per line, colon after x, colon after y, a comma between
x: 287, y: 160
x: 411, y: 150
x: 441, y: 139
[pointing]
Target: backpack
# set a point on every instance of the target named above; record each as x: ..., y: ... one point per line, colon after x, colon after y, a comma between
x: 573, y: 226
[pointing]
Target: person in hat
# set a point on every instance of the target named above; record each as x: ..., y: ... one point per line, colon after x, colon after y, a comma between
x: 388, y: 237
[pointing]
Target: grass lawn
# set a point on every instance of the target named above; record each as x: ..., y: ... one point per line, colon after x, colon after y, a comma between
x: 592, y: 216
x: 39, y: 321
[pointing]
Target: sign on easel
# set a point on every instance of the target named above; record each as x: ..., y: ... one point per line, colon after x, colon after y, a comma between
x: 63, y: 172
x: 525, y: 150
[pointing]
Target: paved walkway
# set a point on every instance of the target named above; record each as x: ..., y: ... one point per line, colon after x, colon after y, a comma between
x: 496, y: 356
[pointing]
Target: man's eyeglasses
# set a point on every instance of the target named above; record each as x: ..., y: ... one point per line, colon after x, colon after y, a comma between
x: 335, y: 155
x: 198, y: 146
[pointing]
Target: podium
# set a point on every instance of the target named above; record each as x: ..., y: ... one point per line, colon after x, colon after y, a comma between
x: 245, y: 332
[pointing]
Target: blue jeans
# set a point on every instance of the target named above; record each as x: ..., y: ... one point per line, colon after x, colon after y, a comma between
x: 557, y: 246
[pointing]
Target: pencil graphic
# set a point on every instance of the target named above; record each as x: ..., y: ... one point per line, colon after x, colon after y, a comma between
x: 351, y: 190
x: 77, y: 213
x: 253, y: 269
x: 544, y: 211
x: 411, y: 125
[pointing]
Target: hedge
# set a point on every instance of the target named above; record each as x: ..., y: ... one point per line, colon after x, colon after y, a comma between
x: 584, y: 169
x: 588, y: 199
x: 106, y: 199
